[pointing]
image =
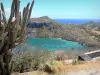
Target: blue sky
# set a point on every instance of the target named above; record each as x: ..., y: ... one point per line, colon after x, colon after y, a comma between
x: 61, y: 9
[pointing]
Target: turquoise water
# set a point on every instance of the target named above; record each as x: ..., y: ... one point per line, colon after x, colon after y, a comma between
x: 53, y: 44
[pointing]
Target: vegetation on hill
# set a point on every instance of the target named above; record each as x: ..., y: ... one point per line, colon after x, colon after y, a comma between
x: 92, y: 28
x: 68, y: 32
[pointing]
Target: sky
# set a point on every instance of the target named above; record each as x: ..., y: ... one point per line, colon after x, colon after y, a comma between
x: 61, y: 9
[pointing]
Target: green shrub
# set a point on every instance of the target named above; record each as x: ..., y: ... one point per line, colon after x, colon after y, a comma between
x: 27, y: 61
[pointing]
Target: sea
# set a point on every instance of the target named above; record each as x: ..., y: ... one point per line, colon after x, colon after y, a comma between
x: 76, y: 21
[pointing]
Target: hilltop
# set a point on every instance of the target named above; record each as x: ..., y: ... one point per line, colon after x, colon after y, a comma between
x: 41, y: 19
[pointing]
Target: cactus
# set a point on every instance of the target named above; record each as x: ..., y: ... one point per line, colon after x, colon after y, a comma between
x: 12, y: 33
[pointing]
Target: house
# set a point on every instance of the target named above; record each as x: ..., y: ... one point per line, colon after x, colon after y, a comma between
x: 90, y: 56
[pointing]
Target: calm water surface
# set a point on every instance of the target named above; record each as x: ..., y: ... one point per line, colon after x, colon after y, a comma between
x: 53, y: 44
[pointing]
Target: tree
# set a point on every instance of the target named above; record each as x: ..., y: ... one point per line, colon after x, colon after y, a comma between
x: 42, y: 32
x: 12, y: 32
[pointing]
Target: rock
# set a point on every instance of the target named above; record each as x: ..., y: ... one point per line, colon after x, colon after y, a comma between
x: 68, y: 62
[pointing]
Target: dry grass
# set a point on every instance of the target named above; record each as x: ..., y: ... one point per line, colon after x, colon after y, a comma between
x: 32, y: 73
x: 96, y: 32
x: 78, y: 67
x: 60, y: 68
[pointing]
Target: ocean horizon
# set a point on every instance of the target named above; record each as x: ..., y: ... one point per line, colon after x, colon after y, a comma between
x: 76, y: 21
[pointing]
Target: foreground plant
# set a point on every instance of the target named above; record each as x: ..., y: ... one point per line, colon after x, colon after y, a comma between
x: 28, y: 61
x: 12, y: 32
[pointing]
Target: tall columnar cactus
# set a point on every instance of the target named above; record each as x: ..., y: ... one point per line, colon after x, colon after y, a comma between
x: 12, y: 32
